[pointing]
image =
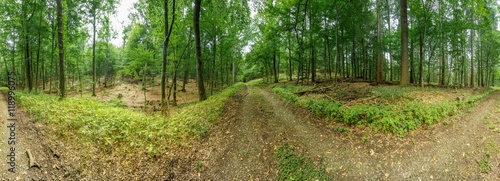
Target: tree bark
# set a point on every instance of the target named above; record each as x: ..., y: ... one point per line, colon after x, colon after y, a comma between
x: 93, y: 50
x: 404, y: 44
x: 167, y: 32
x: 199, y: 63
x: 390, y: 53
x: 62, y: 85
x: 379, y: 71
x: 274, y: 67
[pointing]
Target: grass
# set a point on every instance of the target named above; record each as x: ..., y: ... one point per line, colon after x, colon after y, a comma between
x: 395, y: 118
x: 295, y: 167
x: 109, y: 125
x: 484, y: 164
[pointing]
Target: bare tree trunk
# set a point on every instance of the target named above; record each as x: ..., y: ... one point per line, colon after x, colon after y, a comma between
x: 472, y: 58
x: 404, y: 43
x: 274, y: 67
x: 93, y: 50
x: 199, y: 63
x: 62, y: 85
x: 167, y: 32
x: 379, y: 78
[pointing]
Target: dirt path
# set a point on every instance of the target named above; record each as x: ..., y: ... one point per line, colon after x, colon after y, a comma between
x: 258, y: 122
x: 28, y: 136
x: 241, y: 148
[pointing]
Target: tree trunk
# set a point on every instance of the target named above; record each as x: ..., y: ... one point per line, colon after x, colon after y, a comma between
x: 274, y: 67
x: 420, y: 66
x: 389, y: 29
x: 167, y: 32
x: 93, y: 50
x: 379, y: 77
x: 199, y: 63
x: 28, y: 64
x: 290, y: 69
x: 404, y: 43
x: 62, y: 85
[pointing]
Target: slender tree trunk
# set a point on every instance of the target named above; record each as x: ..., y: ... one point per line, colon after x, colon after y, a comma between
x: 199, y: 63
x: 274, y: 67
x: 93, y: 50
x: 167, y: 32
x: 62, y: 85
x: 379, y: 78
x: 420, y: 66
x: 290, y: 69
x: 28, y: 64
x: 37, y: 63
x: 404, y: 44
x: 472, y: 58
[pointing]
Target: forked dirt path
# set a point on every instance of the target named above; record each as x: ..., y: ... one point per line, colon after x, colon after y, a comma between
x: 242, y: 146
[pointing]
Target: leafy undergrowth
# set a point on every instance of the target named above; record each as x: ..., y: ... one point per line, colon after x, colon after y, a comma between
x: 394, y: 118
x: 110, y: 126
x: 296, y: 167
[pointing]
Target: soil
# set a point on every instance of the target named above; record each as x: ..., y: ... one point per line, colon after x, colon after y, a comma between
x: 241, y: 147
x: 28, y: 136
x: 132, y: 95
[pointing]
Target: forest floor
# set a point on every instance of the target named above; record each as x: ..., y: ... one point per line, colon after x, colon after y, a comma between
x: 28, y: 136
x: 257, y: 122
x: 132, y: 96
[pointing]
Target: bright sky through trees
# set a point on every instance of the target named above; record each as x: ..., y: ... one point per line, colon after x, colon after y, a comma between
x: 121, y: 19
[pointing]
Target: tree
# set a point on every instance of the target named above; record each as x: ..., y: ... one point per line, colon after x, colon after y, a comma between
x: 167, y: 33
x: 199, y: 63
x: 404, y: 44
x: 60, y: 42
x: 379, y: 45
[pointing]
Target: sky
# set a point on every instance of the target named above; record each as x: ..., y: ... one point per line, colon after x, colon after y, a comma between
x: 120, y: 19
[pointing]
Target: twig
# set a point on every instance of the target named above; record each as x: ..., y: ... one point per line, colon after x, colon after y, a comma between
x: 32, y: 161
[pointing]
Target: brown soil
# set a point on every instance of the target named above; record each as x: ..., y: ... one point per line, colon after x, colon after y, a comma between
x: 241, y: 148
x: 30, y: 136
x: 133, y: 95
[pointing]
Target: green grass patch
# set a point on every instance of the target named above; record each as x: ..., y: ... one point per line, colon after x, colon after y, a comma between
x: 393, y: 118
x: 296, y: 167
x: 484, y: 164
x: 110, y: 125
x: 4, y: 89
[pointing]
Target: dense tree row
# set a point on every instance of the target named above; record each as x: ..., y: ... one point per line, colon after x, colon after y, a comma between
x: 159, y: 43
x: 449, y: 42
x: 446, y: 42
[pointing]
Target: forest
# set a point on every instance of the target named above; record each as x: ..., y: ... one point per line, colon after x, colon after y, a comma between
x: 180, y: 88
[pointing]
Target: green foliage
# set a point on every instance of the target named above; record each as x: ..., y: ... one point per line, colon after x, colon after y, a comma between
x: 4, y: 89
x: 484, y: 164
x: 322, y: 107
x: 107, y: 125
x: 393, y: 118
x: 287, y: 95
x: 296, y: 167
